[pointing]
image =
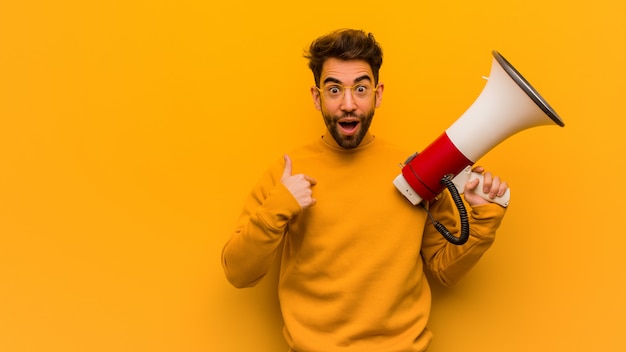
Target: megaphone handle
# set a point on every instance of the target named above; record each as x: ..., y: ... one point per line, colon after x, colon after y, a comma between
x: 502, y: 200
x: 468, y: 175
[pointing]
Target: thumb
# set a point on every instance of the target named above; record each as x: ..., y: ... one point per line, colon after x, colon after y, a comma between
x: 472, y: 185
x: 287, y: 170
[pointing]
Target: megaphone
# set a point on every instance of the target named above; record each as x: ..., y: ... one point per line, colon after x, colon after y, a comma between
x: 507, y: 105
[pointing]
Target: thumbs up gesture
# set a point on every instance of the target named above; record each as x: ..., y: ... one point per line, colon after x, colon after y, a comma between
x: 299, y: 185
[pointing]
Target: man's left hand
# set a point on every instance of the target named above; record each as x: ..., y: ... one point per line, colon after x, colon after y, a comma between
x: 493, y: 187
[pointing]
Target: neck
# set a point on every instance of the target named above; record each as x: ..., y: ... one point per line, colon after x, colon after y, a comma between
x: 330, y: 140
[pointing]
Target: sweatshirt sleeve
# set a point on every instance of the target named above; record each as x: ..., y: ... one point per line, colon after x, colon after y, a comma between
x: 448, y: 262
x: 250, y: 250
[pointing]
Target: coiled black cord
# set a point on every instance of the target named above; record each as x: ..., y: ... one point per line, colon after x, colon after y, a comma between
x: 456, y: 197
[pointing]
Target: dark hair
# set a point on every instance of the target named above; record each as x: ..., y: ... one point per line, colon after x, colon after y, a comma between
x: 344, y: 44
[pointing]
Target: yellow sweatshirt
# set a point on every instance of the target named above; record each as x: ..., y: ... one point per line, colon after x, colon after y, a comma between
x: 352, y: 270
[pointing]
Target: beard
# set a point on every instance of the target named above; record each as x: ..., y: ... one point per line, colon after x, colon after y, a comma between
x: 352, y: 141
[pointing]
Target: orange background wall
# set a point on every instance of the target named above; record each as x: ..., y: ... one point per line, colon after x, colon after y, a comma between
x: 131, y: 132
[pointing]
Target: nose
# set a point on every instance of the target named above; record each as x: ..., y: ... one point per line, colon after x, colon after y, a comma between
x: 347, y: 102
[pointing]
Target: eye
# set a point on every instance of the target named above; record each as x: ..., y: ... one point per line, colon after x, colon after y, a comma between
x: 362, y: 89
x: 334, y: 90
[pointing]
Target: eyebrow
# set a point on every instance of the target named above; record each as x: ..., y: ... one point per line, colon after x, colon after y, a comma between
x: 356, y: 80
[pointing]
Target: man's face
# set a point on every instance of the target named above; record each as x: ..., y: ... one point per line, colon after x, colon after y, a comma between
x: 349, y: 115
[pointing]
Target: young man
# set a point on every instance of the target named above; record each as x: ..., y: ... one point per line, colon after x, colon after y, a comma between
x: 355, y: 251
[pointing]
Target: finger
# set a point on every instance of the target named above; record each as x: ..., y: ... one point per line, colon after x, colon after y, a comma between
x: 471, y: 185
x: 311, y: 180
x: 495, y: 187
x: 478, y: 169
x: 487, y: 182
x: 287, y: 170
x: 503, y: 187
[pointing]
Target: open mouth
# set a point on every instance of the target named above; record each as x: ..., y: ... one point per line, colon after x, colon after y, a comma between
x: 348, y: 126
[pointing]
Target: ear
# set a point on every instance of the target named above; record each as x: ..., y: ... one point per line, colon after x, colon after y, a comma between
x: 315, y: 94
x: 379, y: 94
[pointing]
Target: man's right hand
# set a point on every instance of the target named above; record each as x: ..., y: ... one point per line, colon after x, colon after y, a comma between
x: 299, y: 185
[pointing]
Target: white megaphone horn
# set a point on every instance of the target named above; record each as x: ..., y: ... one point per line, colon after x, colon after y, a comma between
x: 508, y: 104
